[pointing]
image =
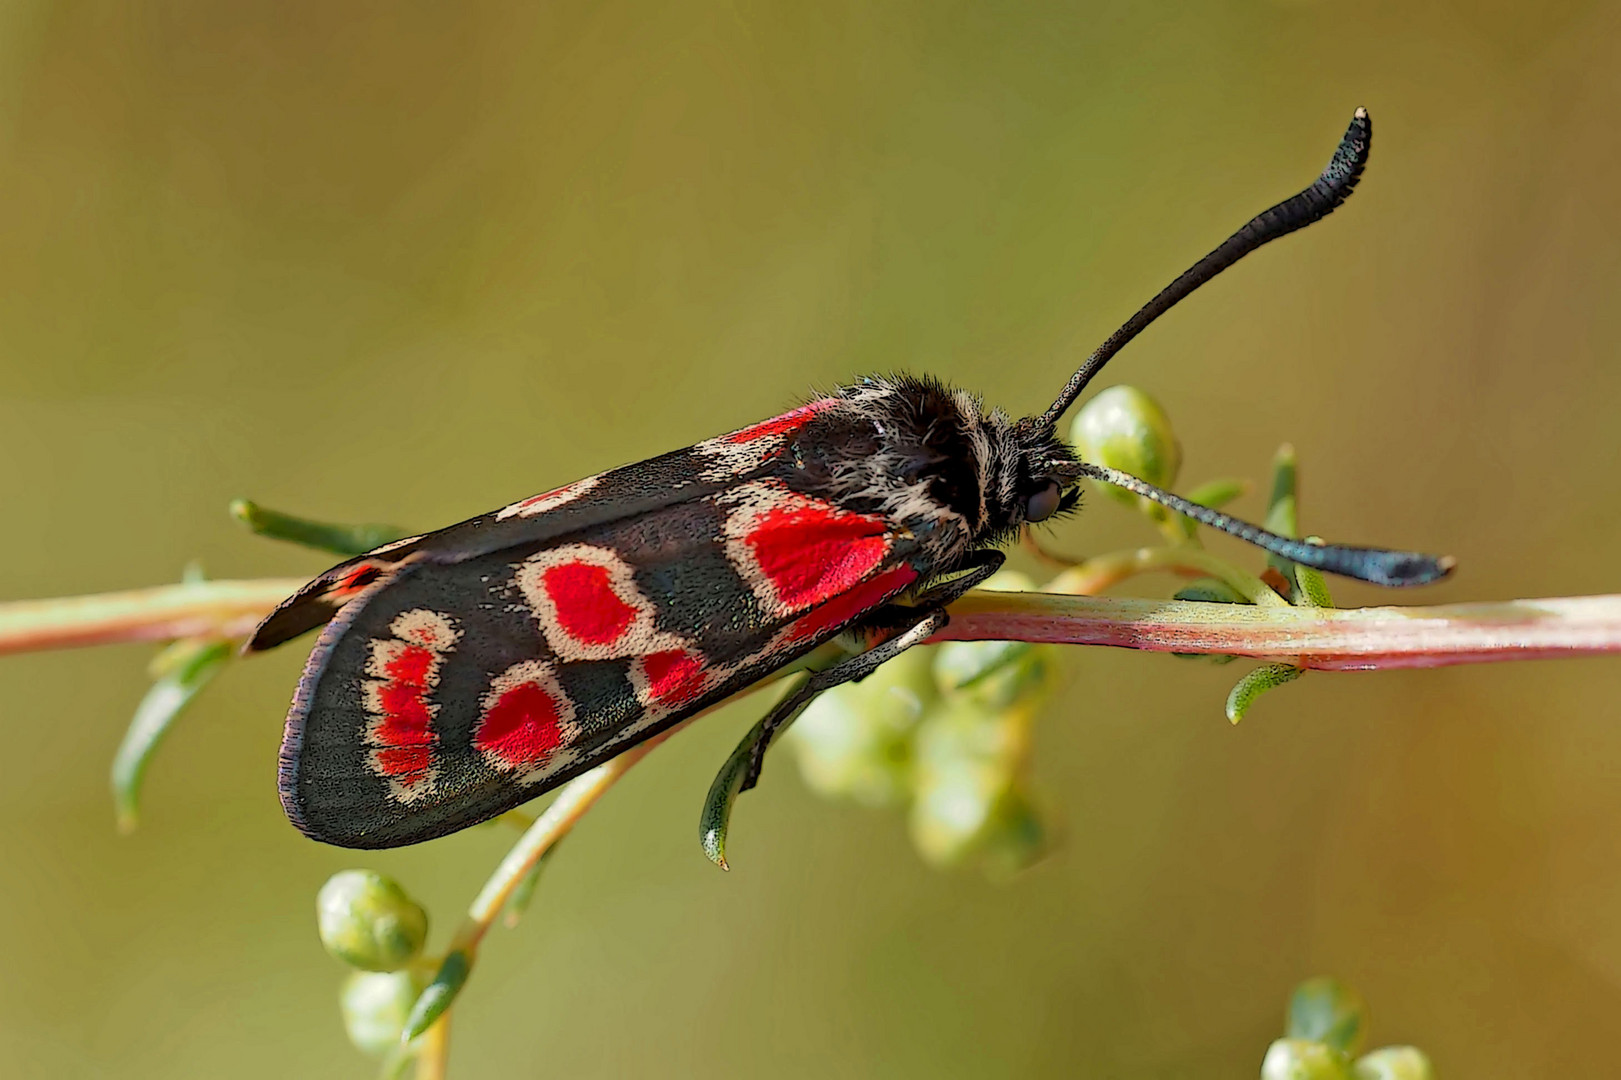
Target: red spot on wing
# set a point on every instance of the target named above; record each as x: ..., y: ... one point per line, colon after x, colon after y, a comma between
x: 406, y: 764
x: 811, y: 552
x: 404, y: 712
x: 357, y: 578
x: 403, y: 730
x: 588, y: 609
x: 846, y: 606
x: 523, y: 727
x: 674, y: 675
x: 410, y: 666
x: 781, y: 425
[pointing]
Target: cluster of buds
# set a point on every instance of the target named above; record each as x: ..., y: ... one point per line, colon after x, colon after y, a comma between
x: 942, y: 732
x: 1327, y: 1023
x: 371, y: 924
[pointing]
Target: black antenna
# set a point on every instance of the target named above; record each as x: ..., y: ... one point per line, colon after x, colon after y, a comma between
x: 1317, y: 201
x: 1377, y: 566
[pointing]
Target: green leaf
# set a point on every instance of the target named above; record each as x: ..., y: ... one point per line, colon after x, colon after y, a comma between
x: 1306, y: 586
x: 343, y: 540
x: 1310, y: 588
x: 1214, y: 494
x: 1255, y: 684
x: 186, y: 667
x: 716, y: 816
x: 522, y: 893
x: 1218, y: 493
x: 1281, y: 509
x: 437, y: 997
x: 1210, y: 591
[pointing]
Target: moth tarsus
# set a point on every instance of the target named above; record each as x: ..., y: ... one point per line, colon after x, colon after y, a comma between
x: 462, y: 672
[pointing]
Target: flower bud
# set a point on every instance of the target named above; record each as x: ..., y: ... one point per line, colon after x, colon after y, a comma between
x: 1019, y: 835
x: 995, y: 674
x: 375, y: 1005
x: 367, y: 921
x: 1394, y: 1063
x: 1126, y: 429
x: 1328, y: 1011
x: 967, y: 761
x: 855, y: 740
x: 1304, y: 1059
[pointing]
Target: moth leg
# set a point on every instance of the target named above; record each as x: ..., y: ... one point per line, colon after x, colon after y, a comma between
x: 926, y: 623
x: 979, y: 566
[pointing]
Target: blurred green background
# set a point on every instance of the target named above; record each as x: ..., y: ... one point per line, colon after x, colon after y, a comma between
x: 410, y: 261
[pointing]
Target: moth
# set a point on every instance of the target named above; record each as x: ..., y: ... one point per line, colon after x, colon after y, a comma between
x: 465, y: 671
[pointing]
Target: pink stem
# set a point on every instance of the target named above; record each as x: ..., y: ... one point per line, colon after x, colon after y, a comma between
x: 1343, y: 639
x: 228, y: 609
x: 1328, y: 638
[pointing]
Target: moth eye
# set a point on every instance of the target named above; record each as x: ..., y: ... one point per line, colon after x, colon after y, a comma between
x: 1044, y: 503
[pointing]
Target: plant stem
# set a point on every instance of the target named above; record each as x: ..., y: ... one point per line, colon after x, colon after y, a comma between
x: 1332, y: 638
x: 1101, y: 571
x: 433, y: 1051
x: 212, y: 609
x: 575, y: 798
x: 1342, y: 639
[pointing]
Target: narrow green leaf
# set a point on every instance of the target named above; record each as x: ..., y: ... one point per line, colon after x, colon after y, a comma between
x: 518, y: 902
x: 1306, y: 586
x: 1311, y: 588
x: 1210, y: 591
x: 1256, y: 683
x: 1214, y: 494
x: 440, y: 993
x: 1281, y: 511
x: 337, y: 539
x: 187, y: 667
x: 716, y: 816
x: 1218, y: 493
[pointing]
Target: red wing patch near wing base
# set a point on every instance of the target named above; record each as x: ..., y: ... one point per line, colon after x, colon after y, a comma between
x: 795, y: 552
x: 403, y: 671
x: 727, y: 457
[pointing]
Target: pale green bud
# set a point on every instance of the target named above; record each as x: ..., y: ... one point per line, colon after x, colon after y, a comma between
x: 1018, y: 835
x: 1126, y: 429
x: 1394, y: 1063
x: 1327, y: 1010
x: 367, y: 921
x: 967, y: 760
x: 995, y: 674
x: 375, y: 1005
x: 1304, y: 1059
x: 854, y: 741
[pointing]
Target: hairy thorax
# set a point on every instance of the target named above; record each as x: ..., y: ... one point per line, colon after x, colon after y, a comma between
x: 929, y: 458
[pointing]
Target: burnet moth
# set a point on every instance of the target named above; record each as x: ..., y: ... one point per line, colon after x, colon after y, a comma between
x: 465, y: 671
